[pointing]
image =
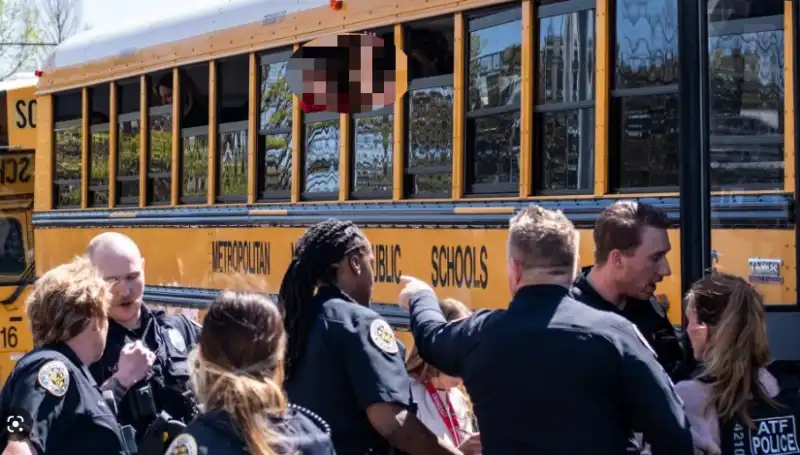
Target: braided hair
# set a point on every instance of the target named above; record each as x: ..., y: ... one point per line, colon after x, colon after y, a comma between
x: 322, y: 246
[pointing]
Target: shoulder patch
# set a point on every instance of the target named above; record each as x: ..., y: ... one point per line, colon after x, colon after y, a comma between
x: 176, y: 340
x: 643, y: 339
x: 382, y: 335
x: 53, y: 376
x: 184, y: 444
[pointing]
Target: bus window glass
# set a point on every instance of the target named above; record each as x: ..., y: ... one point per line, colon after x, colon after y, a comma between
x: 372, y: 151
x: 159, y: 174
x: 128, y: 141
x: 13, y: 259
x: 194, y: 91
x: 494, y: 47
x: 565, y: 98
x: 275, y: 128
x: 322, y: 157
x: 429, y: 119
x: 233, y: 100
x: 100, y: 107
x: 68, y: 134
x: 746, y: 59
x: 643, y: 152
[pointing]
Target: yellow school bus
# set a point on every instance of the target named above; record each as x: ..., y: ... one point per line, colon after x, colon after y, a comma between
x: 183, y: 134
x: 17, y: 270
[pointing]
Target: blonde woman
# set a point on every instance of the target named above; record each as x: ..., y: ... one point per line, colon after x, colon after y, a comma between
x: 733, y: 391
x: 237, y: 372
x: 441, y: 403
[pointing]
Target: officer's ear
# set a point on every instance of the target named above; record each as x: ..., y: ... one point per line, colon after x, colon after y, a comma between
x: 615, y: 258
x: 354, y: 261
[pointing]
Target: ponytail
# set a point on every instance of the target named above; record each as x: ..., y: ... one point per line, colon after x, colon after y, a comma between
x: 738, y: 346
x: 249, y: 400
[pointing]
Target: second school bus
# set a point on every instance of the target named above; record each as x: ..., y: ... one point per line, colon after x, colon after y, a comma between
x: 183, y: 135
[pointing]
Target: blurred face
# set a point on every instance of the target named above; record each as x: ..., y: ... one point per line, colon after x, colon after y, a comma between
x: 697, y: 332
x: 444, y: 382
x: 638, y: 274
x: 125, y: 273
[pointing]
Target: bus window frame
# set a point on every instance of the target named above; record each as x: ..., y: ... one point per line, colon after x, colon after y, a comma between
x: 475, y: 21
x: 585, y: 107
x: 759, y: 24
x: 97, y: 128
x: 131, y: 201
x: 262, y: 194
x: 318, y: 117
x: 231, y: 127
x: 364, y: 195
x: 56, y: 183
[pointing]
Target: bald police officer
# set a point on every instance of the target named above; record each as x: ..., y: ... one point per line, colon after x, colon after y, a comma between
x: 167, y: 339
x: 550, y: 374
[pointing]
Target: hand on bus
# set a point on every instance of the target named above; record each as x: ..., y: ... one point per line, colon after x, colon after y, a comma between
x: 135, y: 361
x: 412, y: 286
x: 471, y: 445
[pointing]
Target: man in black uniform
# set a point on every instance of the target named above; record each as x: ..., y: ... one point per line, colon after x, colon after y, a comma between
x: 50, y: 403
x: 169, y: 337
x: 343, y: 361
x: 631, y: 246
x: 549, y: 374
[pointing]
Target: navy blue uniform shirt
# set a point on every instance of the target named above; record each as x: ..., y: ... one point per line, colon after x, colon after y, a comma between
x: 53, y: 398
x: 301, y: 432
x: 551, y: 375
x: 656, y: 328
x: 351, y: 361
x: 171, y: 338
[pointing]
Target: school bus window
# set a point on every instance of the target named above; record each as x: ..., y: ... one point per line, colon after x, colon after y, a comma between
x: 746, y: 59
x: 99, y: 105
x: 429, y: 113
x: 194, y: 133
x: 129, y: 138
x: 643, y: 149
x: 322, y: 156
x: 494, y: 48
x: 274, y: 170
x: 67, y: 113
x: 233, y: 101
x: 372, y: 146
x: 159, y: 176
x: 12, y: 261
x: 565, y: 97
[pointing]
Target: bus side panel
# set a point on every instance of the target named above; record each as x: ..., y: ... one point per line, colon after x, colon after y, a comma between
x: 15, y: 333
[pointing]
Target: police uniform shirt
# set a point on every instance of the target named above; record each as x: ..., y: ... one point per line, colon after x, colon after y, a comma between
x: 51, y: 396
x: 552, y: 375
x: 301, y: 432
x: 656, y: 327
x: 171, y: 338
x: 351, y: 361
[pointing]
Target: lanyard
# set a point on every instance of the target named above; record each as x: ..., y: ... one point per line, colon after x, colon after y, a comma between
x: 449, y: 419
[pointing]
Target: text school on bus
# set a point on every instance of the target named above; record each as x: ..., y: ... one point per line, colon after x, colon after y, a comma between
x: 184, y: 135
x: 17, y: 148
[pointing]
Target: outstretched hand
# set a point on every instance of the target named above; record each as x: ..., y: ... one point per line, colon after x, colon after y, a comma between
x: 411, y: 286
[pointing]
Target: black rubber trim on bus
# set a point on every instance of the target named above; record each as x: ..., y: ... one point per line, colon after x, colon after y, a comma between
x: 200, y: 299
x: 729, y: 211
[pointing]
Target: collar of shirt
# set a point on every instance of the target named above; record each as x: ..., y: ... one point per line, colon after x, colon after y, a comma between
x: 73, y: 357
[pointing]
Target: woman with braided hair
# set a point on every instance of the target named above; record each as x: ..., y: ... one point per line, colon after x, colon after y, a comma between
x: 237, y: 371
x: 343, y: 360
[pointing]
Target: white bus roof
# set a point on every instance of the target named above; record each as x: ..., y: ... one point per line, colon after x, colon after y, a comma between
x: 112, y: 41
x: 18, y: 80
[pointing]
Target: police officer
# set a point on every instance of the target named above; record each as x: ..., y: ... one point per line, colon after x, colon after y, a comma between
x: 239, y: 374
x: 631, y: 246
x: 50, y: 402
x: 739, y: 402
x: 343, y: 361
x: 170, y: 337
x: 549, y: 374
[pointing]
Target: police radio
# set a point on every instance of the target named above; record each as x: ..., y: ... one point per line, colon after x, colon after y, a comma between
x: 160, y: 434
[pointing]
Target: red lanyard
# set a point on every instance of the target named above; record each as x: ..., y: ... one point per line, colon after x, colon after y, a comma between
x: 449, y: 419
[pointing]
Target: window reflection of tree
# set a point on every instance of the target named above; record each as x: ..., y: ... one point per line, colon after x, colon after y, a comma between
x: 322, y: 157
x: 373, y: 145
x: 275, y: 126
